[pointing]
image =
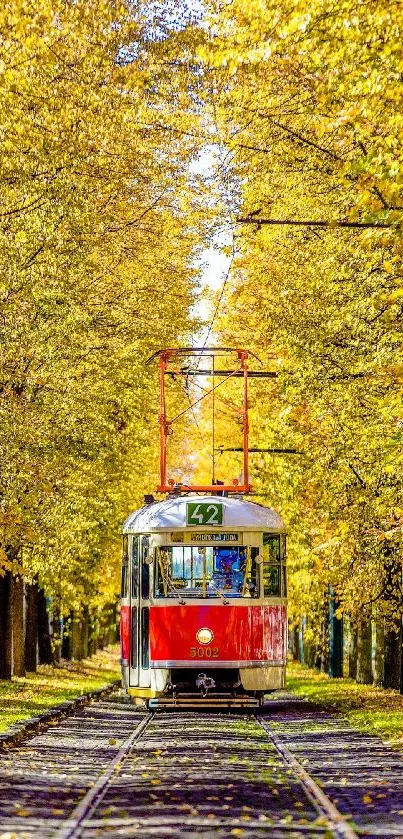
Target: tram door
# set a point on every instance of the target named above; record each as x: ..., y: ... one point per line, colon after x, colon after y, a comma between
x: 140, y: 611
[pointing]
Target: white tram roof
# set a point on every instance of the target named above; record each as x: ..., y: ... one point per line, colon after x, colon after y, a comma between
x: 171, y: 515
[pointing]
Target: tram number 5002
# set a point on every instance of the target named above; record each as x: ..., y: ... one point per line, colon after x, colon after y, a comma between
x: 204, y: 652
x: 199, y: 514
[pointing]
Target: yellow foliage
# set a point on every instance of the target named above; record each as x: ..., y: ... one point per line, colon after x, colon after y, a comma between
x: 98, y: 231
x: 315, y: 130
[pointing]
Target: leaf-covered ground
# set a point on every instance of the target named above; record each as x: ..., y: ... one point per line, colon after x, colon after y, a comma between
x: 34, y: 694
x: 370, y: 709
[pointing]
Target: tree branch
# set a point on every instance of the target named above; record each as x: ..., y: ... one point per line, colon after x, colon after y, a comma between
x: 316, y: 223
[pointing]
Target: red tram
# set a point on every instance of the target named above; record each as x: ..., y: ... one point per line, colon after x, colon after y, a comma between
x: 204, y: 608
x: 203, y: 602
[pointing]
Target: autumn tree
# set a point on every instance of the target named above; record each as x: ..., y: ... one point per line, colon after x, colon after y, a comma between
x: 99, y: 229
x: 306, y: 110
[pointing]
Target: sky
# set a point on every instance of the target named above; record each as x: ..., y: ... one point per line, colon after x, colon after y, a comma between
x: 214, y: 262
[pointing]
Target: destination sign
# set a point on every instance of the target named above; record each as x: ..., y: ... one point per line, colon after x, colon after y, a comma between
x: 214, y: 537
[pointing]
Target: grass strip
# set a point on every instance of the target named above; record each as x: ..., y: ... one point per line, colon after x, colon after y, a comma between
x: 35, y: 693
x: 370, y: 709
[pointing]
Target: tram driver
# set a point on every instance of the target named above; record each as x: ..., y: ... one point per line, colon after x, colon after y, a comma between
x: 229, y: 570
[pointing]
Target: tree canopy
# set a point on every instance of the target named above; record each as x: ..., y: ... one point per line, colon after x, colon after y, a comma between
x: 306, y: 106
x: 99, y: 229
x: 108, y: 111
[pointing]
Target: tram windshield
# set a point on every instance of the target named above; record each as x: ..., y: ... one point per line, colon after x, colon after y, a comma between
x: 205, y: 572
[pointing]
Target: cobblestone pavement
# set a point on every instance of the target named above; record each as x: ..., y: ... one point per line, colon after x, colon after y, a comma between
x: 199, y: 775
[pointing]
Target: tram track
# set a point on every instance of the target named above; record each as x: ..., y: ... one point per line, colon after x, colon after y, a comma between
x: 334, y: 822
x: 337, y: 824
x: 168, y: 729
x: 190, y: 774
x: 76, y: 823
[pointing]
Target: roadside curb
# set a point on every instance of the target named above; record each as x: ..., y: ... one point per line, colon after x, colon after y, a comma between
x: 32, y: 725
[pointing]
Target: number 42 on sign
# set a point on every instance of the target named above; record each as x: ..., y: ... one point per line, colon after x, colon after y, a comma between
x: 204, y: 513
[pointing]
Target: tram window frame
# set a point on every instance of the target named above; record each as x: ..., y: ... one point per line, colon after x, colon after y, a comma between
x: 272, y: 582
x: 135, y: 567
x: 124, y: 584
x: 145, y: 567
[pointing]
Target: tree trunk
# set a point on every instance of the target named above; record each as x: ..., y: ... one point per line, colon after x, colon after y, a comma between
x: 364, y: 653
x: 44, y: 642
x: 5, y: 627
x: 393, y: 658
x: 76, y: 639
x: 310, y: 649
x: 379, y: 652
x: 84, y: 633
x: 56, y: 636
x: 91, y: 635
x: 352, y: 652
x: 401, y: 655
x: 301, y: 642
x: 17, y: 589
x: 67, y: 647
x: 31, y: 626
x: 293, y: 643
x: 324, y: 661
x: 335, y: 639
x: 95, y: 631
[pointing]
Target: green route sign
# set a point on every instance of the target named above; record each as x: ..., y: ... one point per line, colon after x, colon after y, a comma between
x: 209, y: 513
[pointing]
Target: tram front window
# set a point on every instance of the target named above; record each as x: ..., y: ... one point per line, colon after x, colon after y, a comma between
x: 205, y: 572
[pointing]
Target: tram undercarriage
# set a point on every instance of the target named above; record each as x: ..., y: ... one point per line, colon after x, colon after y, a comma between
x: 231, y: 687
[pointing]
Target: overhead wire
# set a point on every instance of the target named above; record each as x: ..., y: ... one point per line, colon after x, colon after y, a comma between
x: 191, y: 408
x: 220, y: 297
x: 208, y: 333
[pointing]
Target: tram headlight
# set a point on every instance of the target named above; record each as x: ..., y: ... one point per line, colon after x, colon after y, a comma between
x: 204, y: 635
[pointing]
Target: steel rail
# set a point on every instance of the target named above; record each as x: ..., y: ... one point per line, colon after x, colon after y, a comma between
x: 337, y: 823
x: 77, y: 821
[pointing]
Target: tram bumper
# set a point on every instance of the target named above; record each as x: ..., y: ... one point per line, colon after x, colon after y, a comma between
x: 191, y: 701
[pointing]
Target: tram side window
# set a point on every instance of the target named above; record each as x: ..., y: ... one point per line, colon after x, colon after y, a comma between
x: 145, y: 568
x: 135, y: 566
x: 125, y: 568
x: 271, y: 565
x: 252, y: 576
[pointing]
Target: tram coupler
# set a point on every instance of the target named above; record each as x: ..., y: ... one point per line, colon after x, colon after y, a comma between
x: 205, y: 683
x: 170, y: 688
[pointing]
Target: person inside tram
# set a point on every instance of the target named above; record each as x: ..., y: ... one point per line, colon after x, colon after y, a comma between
x: 228, y: 573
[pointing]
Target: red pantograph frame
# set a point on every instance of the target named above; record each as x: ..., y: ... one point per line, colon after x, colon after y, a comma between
x: 165, y: 357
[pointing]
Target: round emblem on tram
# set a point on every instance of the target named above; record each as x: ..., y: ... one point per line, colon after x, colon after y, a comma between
x: 204, y: 635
